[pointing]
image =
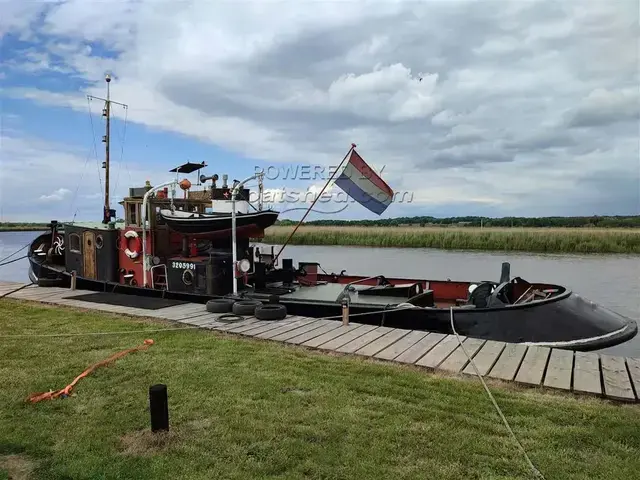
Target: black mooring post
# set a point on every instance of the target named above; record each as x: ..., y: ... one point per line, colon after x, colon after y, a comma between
x: 159, y: 407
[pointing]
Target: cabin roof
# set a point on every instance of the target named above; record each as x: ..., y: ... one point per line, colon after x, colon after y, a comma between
x: 94, y: 225
x: 188, y: 167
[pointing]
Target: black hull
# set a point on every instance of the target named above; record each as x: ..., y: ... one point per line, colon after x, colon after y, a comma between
x: 567, y: 321
x: 221, y: 223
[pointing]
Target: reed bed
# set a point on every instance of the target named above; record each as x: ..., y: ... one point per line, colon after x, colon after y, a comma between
x: 559, y: 240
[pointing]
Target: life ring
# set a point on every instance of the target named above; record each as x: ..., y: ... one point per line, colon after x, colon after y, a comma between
x: 137, y: 244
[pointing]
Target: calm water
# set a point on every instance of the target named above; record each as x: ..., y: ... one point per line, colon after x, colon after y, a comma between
x: 610, y: 280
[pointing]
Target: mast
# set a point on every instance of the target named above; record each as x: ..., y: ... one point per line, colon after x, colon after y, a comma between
x: 107, y: 107
x: 106, y: 112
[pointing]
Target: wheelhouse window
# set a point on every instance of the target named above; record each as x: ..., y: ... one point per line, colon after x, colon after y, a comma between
x: 74, y: 243
x: 132, y: 214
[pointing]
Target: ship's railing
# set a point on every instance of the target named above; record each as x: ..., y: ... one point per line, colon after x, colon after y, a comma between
x: 162, y: 266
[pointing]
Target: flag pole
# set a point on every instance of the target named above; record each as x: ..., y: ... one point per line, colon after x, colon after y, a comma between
x: 353, y: 145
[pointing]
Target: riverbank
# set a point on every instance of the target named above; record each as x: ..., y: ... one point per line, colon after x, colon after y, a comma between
x: 243, y: 408
x: 23, y: 227
x: 541, y: 240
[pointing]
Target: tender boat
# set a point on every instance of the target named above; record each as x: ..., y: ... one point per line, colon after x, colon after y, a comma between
x: 202, y: 248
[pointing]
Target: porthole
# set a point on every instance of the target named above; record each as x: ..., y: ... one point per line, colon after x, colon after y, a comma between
x: 99, y: 242
x: 187, y: 277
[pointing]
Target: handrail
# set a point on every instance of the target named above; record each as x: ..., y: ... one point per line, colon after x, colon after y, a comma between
x: 144, y: 227
x: 234, y: 192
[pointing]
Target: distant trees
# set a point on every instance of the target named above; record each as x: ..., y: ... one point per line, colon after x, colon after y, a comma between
x: 617, y: 221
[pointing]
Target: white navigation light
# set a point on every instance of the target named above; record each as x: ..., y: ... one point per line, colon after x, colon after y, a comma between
x: 244, y: 265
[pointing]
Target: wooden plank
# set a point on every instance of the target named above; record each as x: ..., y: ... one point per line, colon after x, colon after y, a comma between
x: 266, y: 327
x: 298, y: 332
x: 559, y: 369
x: 229, y: 325
x: 458, y: 359
x: 297, y: 322
x: 586, y: 373
x: 330, y: 335
x: 508, y: 362
x: 617, y: 384
x: 249, y: 326
x: 177, y: 312
x: 533, y: 366
x: 485, y: 358
x: 392, y: 336
x: 38, y: 294
x: 346, y: 337
x: 399, y: 347
x: 440, y: 352
x: 418, y: 349
x: 201, y: 320
x: 633, y: 364
x: 364, y: 340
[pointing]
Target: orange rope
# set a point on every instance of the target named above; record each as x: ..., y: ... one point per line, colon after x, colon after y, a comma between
x: 50, y: 395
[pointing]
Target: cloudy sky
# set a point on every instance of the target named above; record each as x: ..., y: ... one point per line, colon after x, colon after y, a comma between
x: 472, y: 107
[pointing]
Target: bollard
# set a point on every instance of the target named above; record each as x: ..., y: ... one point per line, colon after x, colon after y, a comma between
x: 345, y: 312
x: 73, y: 280
x: 159, y: 407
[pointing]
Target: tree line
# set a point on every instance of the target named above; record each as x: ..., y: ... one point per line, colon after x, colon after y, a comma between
x: 616, y: 221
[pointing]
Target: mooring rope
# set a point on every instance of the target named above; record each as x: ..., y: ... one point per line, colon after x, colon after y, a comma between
x: 536, y: 472
x: 19, y: 250
x: 11, y: 261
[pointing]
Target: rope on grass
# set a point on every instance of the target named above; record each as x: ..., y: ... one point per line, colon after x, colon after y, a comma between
x: 66, y: 391
x: 87, y: 334
x: 536, y: 472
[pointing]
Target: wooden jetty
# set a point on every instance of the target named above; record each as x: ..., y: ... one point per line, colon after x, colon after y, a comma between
x: 610, y: 377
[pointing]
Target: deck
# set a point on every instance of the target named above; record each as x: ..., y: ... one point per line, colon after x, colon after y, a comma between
x: 610, y: 377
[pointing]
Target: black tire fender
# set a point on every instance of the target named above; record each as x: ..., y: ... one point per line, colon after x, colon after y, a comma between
x: 245, y: 307
x: 271, y: 312
x: 219, y: 305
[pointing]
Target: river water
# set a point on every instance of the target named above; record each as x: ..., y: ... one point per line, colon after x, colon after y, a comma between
x: 613, y: 281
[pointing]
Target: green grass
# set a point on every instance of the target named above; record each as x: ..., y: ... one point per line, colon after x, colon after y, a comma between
x: 246, y: 409
x: 559, y: 240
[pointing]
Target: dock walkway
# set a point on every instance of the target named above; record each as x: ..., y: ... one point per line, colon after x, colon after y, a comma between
x: 610, y: 377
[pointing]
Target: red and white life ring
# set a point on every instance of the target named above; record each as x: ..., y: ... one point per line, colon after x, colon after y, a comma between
x: 134, y: 241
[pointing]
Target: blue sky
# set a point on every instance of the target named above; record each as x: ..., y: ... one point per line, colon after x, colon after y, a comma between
x: 514, y: 118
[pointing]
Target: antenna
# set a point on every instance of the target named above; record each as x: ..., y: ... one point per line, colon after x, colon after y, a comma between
x: 106, y: 112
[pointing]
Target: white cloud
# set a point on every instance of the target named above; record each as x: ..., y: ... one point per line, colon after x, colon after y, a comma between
x: 517, y: 108
x: 56, y: 196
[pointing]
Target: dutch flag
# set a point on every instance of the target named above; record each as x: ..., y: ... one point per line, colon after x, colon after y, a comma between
x: 360, y: 182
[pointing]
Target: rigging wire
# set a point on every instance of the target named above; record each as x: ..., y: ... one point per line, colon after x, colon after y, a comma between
x: 75, y: 195
x: 95, y: 147
x: 122, y: 141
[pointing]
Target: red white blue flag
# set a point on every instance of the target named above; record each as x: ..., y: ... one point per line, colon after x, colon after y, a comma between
x: 365, y: 186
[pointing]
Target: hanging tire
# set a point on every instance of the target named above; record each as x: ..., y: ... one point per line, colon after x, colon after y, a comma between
x: 271, y: 312
x: 219, y: 305
x: 245, y: 307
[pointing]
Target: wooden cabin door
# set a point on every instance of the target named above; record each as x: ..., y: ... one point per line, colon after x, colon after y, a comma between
x: 89, y: 257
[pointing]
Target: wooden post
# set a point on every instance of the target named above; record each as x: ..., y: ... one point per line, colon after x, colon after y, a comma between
x: 73, y: 280
x: 345, y: 312
x: 159, y: 407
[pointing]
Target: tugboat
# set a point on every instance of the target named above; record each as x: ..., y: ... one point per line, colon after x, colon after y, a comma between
x: 199, y: 248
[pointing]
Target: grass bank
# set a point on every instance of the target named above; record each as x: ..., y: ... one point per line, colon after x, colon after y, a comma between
x: 23, y: 227
x: 560, y: 240
x: 245, y: 409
